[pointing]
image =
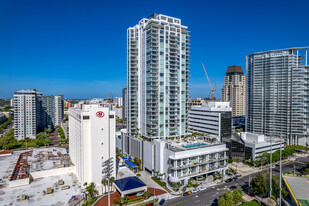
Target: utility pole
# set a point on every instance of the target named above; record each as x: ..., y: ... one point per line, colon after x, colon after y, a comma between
x: 249, y: 190
x: 270, y: 170
x: 109, y: 158
x: 280, y: 178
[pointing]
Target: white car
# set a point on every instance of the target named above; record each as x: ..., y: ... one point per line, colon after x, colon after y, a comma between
x: 139, y: 194
x: 194, y: 191
x: 202, y: 188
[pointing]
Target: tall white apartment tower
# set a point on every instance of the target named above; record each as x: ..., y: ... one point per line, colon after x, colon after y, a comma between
x: 33, y: 112
x: 157, y: 77
x: 92, y: 143
x: 26, y: 119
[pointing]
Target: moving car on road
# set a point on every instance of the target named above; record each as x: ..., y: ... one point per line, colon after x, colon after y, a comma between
x: 233, y: 187
x: 187, y: 193
x: 162, y: 202
x: 229, y: 180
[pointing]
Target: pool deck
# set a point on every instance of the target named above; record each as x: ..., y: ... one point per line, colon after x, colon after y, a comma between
x: 194, y: 145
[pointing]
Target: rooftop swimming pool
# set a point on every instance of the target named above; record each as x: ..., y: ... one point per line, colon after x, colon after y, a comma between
x: 193, y: 145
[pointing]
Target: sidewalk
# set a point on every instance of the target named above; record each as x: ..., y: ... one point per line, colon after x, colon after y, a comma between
x: 146, y: 178
x: 244, y: 170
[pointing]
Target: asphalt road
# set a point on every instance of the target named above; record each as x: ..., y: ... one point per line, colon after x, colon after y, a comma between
x: 207, y: 196
x: 8, y: 128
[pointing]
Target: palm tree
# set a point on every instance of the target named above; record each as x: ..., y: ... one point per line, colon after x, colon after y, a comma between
x: 104, y: 182
x: 125, y: 199
x: 111, y: 181
x: 91, y: 191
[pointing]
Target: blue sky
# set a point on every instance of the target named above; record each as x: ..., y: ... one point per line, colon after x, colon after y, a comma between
x: 78, y: 48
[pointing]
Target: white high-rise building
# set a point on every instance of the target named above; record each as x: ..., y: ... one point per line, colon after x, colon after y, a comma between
x: 118, y: 101
x: 25, y: 113
x: 157, y: 77
x: 92, y: 131
x: 33, y: 112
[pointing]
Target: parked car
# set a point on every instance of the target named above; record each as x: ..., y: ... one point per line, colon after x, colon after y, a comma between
x: 233, y: 187
x: 194, y: 191
x: 150, y: 204
x: 162, y: 202
x: 139, y: 194
x: 187, y: 193
x: 235, y: 178
x: 202, y: 188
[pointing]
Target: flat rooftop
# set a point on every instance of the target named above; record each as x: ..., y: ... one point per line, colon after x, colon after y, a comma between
x: 35, y: 191
x: 49, y: 158
x: 299, y: 186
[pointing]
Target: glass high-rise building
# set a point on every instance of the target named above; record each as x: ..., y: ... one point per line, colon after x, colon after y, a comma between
x: 277, y: 94
x: 157, y: 77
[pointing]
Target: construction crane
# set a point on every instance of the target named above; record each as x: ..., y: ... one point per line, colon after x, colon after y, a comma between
x: 108, y: 99
x: 213, y: 89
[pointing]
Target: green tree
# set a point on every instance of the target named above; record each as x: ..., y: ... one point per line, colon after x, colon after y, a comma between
x: 111, y: 181
x: 146, y: 194
x: 237, y: 196
x: 184, y: 188
x: 125, y: 199
x: 116, y: 202
x: 226, y: 199
x: 90, y: 190
x: 260, y: 185
x: 104, y: 182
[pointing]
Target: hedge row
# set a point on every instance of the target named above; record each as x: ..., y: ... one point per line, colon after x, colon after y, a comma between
x: 136, y: 199
x: 162, y: 184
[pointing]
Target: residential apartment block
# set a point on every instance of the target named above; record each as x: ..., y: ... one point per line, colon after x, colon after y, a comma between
x: 92, y: 143
x: 277, y: 85
x: 234, y: 90
x: 33, y: 112
x: 157, y: 77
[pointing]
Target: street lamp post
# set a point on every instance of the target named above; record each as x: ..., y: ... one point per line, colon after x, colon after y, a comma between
x: 270, y: 170
x: 280, y: 177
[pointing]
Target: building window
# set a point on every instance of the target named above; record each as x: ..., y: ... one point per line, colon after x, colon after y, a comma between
x: 86, y: 117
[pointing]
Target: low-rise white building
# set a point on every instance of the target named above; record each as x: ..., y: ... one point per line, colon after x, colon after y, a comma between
x: 179, y: 160
x: 92, y: 143
x: 212, y: 118
x: 260, y: 144
x: 246, y: 145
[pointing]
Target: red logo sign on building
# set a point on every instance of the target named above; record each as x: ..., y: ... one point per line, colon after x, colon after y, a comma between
x: 100, y: 114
